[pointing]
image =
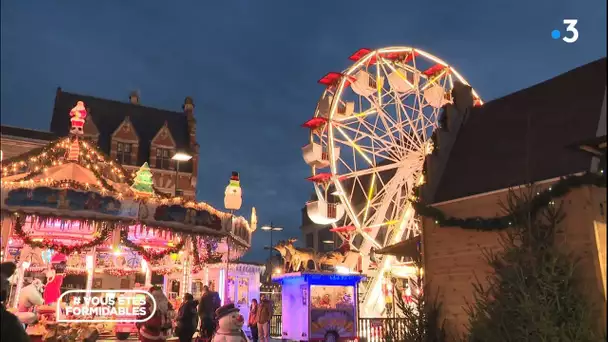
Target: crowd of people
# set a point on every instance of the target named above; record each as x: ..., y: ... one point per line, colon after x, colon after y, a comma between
x: 259, y: 319
x: 203, y: 311
x: 159, y: 327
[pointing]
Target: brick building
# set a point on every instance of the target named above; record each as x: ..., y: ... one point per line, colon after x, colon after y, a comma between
x: 528, y: 136
x: 129, y: 132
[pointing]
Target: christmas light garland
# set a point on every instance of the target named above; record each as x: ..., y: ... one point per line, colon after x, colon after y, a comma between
x: 196, y: 256
x: 100, y: 237
x: 538, y: 202
x: 38, y: 161
x: 64, y: 183
x: 54, y: 154
x: 148, y: 255
x: 211, y: 256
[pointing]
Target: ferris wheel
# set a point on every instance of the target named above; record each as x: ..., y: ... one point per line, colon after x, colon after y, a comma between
x: 369, y: 137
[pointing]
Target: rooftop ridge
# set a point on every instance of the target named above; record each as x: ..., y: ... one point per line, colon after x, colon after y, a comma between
x: 26, y: 129
x: 121, y: 102
x: 548, y: 80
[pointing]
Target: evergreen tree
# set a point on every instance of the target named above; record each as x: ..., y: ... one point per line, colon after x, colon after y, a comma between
x: 143, y: 180
x: 532, y: 294
x: 422, y: 315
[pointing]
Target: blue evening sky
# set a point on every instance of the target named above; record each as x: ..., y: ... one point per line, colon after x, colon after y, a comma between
x: 252, y: 65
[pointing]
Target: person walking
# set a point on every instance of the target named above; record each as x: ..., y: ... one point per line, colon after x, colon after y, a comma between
x: 263, y: 319
x: 210, y: 301
x: 10, y: 329
x: 252, y: 321
x: 187, y: 319
x: 158, y: 326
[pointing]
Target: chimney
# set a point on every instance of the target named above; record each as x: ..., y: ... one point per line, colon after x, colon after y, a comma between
x: 463, y: 97
x: 188, y: 105
x: 134, y: 97
x: 189, y: 110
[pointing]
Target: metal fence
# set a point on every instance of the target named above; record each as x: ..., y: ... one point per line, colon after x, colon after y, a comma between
x: 381, y: 329
x: 370, y: 329
x: 276, y: 326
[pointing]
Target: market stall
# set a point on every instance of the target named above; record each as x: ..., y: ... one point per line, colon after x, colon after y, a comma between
x: 328, y: 301
x: 75, y: 219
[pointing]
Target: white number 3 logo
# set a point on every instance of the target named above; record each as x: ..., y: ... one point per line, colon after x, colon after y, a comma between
x: 572, y: 29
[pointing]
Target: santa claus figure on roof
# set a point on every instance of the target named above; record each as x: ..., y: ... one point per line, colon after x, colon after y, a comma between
x: 79, y: 115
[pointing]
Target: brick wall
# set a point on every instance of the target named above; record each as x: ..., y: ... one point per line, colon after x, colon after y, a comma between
x: 453, y: 255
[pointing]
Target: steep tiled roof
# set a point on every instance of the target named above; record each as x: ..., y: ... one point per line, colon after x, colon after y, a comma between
x: 108, y: 115
x: 524, y: 137
x: 26, y: 133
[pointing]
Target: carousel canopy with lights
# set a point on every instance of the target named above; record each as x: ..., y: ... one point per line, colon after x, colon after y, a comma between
x: 70, y: 196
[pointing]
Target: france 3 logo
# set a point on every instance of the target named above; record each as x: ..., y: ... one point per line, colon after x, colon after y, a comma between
x: 571, y: 34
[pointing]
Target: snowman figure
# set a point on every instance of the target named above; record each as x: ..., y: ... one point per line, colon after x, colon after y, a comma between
x: 78, y: 114
x: 230, y: 325
x: 233, y: 196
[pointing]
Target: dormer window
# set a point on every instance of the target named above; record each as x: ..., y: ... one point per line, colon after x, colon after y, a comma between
x: 123, y: 153
x: 163, y: 158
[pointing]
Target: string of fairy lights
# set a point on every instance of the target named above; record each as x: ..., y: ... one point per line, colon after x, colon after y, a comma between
x: 28, y: 171
x: 39, y: 161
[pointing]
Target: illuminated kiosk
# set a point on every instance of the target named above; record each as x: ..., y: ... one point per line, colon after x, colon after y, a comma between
x: 327, y: 301
x: 115, y: 229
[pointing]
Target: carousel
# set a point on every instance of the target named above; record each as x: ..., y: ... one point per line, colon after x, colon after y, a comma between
x: 72, y: 218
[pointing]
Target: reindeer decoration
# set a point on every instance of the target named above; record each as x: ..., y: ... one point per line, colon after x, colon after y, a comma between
x: 337, y: 257
x: 296, y: 258
x: 280, y: 247
x: 301, y: 257
x: 332, y: 258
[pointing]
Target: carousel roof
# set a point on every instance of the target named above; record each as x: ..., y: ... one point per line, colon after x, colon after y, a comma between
x: 72, y: 178
x: 55, y: 164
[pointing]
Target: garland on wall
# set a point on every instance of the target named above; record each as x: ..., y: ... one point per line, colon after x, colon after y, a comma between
x: 197, y: 265
x: 146, y: 254
x: 538, y: 202
x: 100, y: 236
x: 210, y: 257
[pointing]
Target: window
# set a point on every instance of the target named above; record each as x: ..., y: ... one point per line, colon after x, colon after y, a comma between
x: 325, y: 240
x: 163, y: 158
x: 123, y: 153
x: 310, y: 240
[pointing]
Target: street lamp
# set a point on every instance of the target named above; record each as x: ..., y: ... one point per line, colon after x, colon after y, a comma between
x: 179, y: 157
x: 270, y: 228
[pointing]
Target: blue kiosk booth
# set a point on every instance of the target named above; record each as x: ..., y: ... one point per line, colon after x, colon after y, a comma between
x: 319, y: 306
